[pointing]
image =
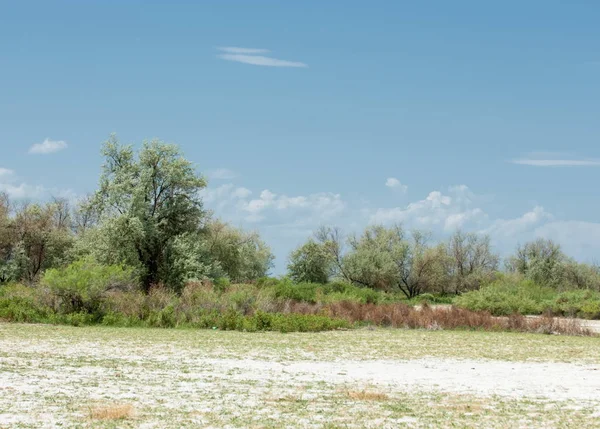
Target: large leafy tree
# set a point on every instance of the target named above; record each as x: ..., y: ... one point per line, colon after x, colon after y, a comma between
x: 147, y: 203
x: 541, y: 261
x: 386, y: 258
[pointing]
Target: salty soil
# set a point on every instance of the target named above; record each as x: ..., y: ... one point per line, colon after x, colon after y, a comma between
x: 101, y: 377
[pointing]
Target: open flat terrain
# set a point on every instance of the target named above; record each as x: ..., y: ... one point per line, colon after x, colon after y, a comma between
x: 55, y: 376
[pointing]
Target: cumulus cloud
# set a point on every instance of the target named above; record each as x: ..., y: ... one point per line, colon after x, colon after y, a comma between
x: 48, y: 146
x: 250, y: 56
x: 5, y: 172
x: 436, y: 211
x: 524, y: 223
x: 17, y: 189
x: 395, y: 184
x: 238, y: 205
x: 322, y: 205
x: 578, y: 239
x: 21, y: 191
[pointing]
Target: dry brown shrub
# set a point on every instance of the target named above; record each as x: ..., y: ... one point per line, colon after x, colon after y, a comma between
x: 112, y: 412
x: 365, y: 395
x: 130, y: 304
x: 433, y: 318
x: 159, y: 297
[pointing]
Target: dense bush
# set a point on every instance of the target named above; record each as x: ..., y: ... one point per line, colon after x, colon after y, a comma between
x: 82, y: 285
x: 512, y: 294
x: 329, y: 292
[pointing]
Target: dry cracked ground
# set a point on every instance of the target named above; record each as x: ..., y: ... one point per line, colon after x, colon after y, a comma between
x: 53, y: 376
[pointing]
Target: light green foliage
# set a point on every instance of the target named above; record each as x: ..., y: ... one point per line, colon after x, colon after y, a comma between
x: 311, y: 262
x: 379, y: 258
x: 241, y: 256
x: 580, y: 276
x: 540, y: 261
x: 35, y: 238
x: 507, y: 296
x: 83, y: 284
x: 189, y: 259
x: 386, y: 259
x: 335, y: 291
x: 145, y: 202
x: 543, y: 262
x: 514, y: 294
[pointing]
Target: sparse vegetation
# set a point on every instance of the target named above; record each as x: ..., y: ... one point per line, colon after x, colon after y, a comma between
x: 191, y: 378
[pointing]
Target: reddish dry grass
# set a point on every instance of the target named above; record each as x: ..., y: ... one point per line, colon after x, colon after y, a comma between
x: 365, y: 395
x: 405, y: 316
x: 112, y: 412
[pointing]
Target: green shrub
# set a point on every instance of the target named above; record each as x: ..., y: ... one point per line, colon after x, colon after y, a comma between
x: 581, y: 303
x: 19, y: 303
x: 591, y: 310
x: 507, y: 296
x: 82, y: 285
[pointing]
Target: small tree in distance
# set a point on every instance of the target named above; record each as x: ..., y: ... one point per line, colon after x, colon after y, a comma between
x: 310, y: 263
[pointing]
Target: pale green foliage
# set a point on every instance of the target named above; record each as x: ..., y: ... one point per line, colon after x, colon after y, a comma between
x: 581, y: 276
x: 470, y: 262
x: 540, y: 261
x: 84, y: 283
x: 543, y: 262
x: 189, y: 260
x: 144, y: 203
x: 242, y: 256
x: 387, y: 259
x: 311, y: 262
x: 8, y: 268
x: 35, y: 238
x: 378, y: 258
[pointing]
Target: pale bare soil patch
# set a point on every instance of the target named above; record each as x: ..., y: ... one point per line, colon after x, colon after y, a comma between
x: 101, y: 377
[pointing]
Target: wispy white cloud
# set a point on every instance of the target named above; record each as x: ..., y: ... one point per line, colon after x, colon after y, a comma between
x: 555, y: 159
x: 48, y: 146
x: 394, y: 183
x: 251, y: 56
x: 259, y: 60
x: 246, y: 51
x: 221, y: 174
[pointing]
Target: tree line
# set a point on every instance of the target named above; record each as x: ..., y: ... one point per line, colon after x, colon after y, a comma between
x: 394, y: 260
x: 147, y: 215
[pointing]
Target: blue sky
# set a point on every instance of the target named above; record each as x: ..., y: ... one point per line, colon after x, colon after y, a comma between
x: 477, y: 115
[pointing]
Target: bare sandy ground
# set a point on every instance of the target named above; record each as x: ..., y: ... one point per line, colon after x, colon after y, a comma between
x: 46, y: 381
x: 554, y: 381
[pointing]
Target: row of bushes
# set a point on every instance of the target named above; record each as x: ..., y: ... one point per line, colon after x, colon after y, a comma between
x: 511, y: 295
x: 252, y: 308
x: 198, y: 306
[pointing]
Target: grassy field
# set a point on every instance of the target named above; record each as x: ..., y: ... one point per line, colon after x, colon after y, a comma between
x: 56, y: 376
